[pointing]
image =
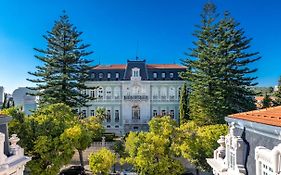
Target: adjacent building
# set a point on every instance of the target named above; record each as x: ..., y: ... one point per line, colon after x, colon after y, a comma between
x: 22, y: 99
x: 133, y: 93
x: 12, y: 159
x: 253, y: 145
x: 1, y: 95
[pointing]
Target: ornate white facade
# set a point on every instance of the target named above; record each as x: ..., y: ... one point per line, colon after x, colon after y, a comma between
x: 253, y: 145
x: 131, y: 102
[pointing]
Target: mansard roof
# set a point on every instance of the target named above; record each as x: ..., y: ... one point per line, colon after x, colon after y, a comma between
x: 269, y: 116
x: 148, y: 66
x: 147, y: 71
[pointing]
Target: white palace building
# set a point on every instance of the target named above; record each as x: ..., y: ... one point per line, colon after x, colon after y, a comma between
x: 133, y: 93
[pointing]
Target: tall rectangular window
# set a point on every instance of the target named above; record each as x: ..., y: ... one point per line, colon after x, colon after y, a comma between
x: 163, y: 112
x: 108, y: 116
x: 92, y: 93
x: 116, y: 115
x: 92, y: 112
x: 108, y: 75
x: 154, y: 113
x: 172, y: 114
x: 84, y: 114
x: 117, y: 75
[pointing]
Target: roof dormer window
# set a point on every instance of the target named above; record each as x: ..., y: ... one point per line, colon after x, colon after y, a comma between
x: 154, y: 75
x: 135, y: 72
x: 100, y: 75
x: 163, y: 75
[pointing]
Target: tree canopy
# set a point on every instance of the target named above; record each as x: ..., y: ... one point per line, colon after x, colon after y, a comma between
x: 151, y: 152
x: 62, y: 76
x: 101, y: 161
x: 218, y: 68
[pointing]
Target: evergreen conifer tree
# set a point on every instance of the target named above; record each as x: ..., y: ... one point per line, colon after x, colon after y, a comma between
x: 218, y: 69
x: 184, y: 106
x: 64, y: 71
x: 4, y: 105
x: 266, y: 102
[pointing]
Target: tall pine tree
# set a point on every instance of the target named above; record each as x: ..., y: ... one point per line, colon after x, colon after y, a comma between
x: 218, y: 69
x: 266, y: 102
x: 184, y: 104
x: 62, y: 77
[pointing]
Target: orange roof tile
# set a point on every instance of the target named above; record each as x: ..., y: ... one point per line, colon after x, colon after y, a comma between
x: 260, y: 98
x: 113, y: 66
x: 269, y: 116
x: 149, y: 66
x: 165, y: 66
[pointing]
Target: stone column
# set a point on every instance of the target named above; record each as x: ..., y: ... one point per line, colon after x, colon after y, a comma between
x: 2, y: 154
x: 103, y: 142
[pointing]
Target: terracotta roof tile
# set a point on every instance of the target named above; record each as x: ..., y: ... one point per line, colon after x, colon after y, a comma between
x: 107, y: 67
x: 165, y: 66
x: 269, y: 116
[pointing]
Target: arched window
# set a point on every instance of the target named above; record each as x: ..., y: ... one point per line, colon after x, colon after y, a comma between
x: 172, y: 93
x: 155, y: 93
x: 116, y: 92
x: 136, y: 112
x: 108, y: 92
x: 100, y: 92
x: 163, y: 93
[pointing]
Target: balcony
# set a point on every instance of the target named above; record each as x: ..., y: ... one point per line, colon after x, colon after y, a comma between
x: 136, y: 121
x: 136, y: 97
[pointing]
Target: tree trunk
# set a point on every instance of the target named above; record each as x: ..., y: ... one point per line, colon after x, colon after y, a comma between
x: 81, y: 158
x: 197, y: 171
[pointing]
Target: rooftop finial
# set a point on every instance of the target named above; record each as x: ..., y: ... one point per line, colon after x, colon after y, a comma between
x: 137, y: 50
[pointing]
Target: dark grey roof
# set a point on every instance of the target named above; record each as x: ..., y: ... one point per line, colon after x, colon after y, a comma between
x: 147, y: 71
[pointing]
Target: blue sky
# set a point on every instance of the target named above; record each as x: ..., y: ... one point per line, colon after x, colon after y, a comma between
x: 163, y: 29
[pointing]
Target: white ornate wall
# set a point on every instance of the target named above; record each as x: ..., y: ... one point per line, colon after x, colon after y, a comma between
x: 14, y: 163
x: 148, y: 95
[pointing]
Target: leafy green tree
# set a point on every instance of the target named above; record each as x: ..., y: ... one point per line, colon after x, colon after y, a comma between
x: 17, y: 124
x: 82, y: 134
x: 151, y: 152
x: 277, y: 94
x: 62, y: 76
x: 101, y: 162
x: 267, y: 101
x: 100, y: 113
x: 184, y: 104
x: 197, y: 143
x: 218, y: 69
x: 44, y: 140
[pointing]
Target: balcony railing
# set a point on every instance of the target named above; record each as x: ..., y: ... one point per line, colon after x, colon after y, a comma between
x: 135, y: 97
x: 136, y: 121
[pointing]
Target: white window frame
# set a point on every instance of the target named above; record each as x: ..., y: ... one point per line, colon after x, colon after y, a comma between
x: 171, y: 75
x: 154, y: 74
x: 163, y: 75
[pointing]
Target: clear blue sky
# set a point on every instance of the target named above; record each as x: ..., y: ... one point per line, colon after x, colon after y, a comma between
x: 163, y: 29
